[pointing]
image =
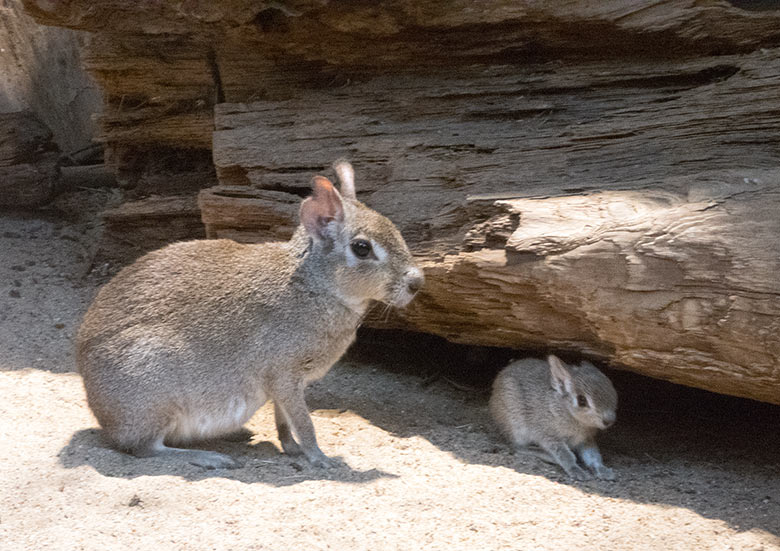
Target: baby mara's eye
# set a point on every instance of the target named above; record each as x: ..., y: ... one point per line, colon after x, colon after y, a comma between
x: 361, y: 248
x: 582, y: 401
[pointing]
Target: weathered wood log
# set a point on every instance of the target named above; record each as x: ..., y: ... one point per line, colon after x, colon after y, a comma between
x: 714, y: 24
x: 85, y: 176
x: 679, y: 286
x: 467, y: 122
x: 626, y: 210
x: 136, y: 227
x: 425, y: 142
x: 176, y: 211
x: 28, y: 161
x: 162, y: 66
x: 247, y: 214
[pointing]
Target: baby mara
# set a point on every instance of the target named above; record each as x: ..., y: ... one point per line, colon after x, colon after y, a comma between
x: 558, y: 407
x: 190, y: 340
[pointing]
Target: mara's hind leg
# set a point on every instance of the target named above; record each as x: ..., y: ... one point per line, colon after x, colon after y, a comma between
x: 145, y: 435
x: 155, y: 447
x: 591, y: 457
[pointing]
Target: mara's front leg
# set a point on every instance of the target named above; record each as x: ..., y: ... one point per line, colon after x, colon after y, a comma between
x: 289, y: 445
x: 564, y: 456
x: 591, y: 457
x: 293, y: 422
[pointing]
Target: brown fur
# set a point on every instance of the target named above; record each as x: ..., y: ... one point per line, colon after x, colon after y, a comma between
x: 190, y: 340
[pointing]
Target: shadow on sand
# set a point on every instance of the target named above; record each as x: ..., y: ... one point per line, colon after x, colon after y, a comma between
x: 716, y: 455
x: 261, y: 462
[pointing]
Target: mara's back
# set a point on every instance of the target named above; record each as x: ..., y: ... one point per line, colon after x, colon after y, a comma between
x: 180, y: 322
x: 520, y: 393
x: 525, y: 406
x: 184, y: 287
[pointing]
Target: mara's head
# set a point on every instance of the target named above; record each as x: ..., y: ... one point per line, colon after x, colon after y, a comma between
x: 364, y: 253
x: 587, y: 393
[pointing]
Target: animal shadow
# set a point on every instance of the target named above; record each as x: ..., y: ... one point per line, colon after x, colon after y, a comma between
x: 262, y: 462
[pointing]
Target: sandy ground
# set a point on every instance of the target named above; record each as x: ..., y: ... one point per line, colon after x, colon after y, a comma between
x: 419, y: 464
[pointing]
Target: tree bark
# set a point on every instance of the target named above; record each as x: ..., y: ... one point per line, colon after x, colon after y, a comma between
x: 136, y: 227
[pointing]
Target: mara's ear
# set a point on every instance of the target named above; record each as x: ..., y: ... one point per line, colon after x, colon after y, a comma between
x: 322, y: 209
x: 346, y: 176
x: 560, y: 377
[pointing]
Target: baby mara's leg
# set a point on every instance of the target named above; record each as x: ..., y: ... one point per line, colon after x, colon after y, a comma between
x: 562, y: 454
x: 591, y: 457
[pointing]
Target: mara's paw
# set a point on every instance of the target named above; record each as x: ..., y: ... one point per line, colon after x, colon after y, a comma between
x: 291, y: 447
x: 319, y: 460
x: 578, y: 473
x: 605, y: 473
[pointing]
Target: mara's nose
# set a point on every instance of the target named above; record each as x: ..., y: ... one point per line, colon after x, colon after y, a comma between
x: 608, y: 420
x: 414, y: 280
x: 415, y: 284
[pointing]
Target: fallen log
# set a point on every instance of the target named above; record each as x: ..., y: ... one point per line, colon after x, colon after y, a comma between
x: 154, y: 220
x: 139, y: 226
x: 85, y: 176
x: 681, y: 287
x: 628, y: 211
x: 163, y: 66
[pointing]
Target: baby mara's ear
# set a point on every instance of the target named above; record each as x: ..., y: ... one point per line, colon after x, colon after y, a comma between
x: 560, y: 376
x: 322, y: 214
x: 346, y: 176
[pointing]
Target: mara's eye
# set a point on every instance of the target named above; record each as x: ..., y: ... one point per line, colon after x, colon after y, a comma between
x: 582, y: 401
x: 361, y: 248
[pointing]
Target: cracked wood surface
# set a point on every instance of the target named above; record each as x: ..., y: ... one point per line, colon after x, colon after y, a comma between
x: 162, y: 66
x: 628, y: 211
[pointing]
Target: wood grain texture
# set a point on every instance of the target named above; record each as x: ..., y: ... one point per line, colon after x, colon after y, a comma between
x: 625, y: 210
x: 163, y: 65
x: 500, y: 131
x: 693, y: 22
x: 676, y: 286
x: 136, y: 227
